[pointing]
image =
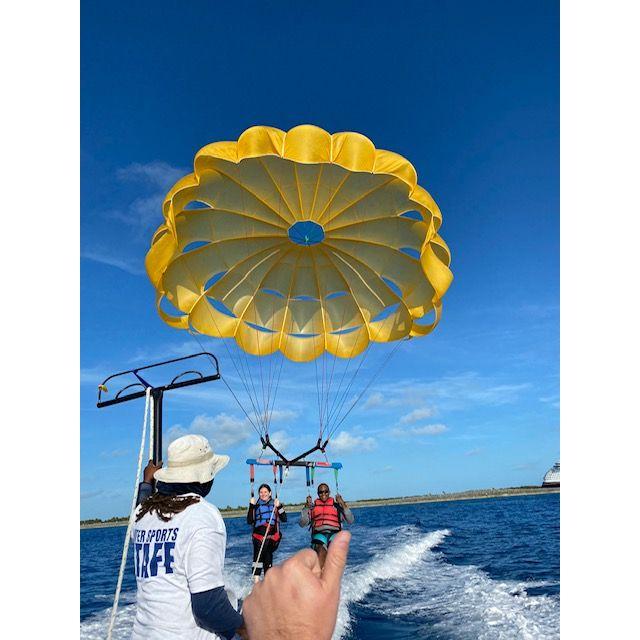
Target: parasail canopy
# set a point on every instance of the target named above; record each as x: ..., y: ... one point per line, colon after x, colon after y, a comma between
x: 301, y: 242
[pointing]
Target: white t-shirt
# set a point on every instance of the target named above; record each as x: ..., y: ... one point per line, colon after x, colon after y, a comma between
x: 173, y: 560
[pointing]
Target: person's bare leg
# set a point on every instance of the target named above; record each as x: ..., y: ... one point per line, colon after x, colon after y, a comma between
x: 322, y: 553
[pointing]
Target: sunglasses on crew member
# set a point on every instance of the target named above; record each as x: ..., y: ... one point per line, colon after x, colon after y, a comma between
x: 320, y: 492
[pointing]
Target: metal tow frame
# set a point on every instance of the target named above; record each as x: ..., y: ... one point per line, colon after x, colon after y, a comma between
x: 157, y: 393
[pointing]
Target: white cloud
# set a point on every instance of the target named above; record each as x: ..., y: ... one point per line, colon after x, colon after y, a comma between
x: 280, y: 439
x: 344, y: 442
x: 553, y: 400
x: 374, y: 400
x: 155, y: 178
x: 160, y: 174
x: 429, y: 430
x: 277, y: 415
x: 134, y: 267
x: 416, y: 415
x: 525, y: 466
x: 87, y: 495
x: 454, y: 392
x: 473, y: 452
x: 539, y: 311
x: 93, y: 375
x: 425, y: 430
x: 185, y: 348
x: 378, y: 470
x: 116, y: 453
x: 222, y: 430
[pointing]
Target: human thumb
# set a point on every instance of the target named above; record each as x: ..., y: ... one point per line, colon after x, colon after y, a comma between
x: 336, y: 560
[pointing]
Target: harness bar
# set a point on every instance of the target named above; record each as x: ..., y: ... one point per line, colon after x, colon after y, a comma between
x: 310, y: 464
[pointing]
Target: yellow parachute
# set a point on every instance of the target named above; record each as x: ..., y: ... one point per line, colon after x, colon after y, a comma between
x: 301, y: 242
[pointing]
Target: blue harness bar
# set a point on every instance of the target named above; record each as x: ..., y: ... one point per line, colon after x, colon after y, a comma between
x: 309, y: 464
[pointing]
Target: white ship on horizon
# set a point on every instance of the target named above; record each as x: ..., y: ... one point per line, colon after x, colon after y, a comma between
x: 552, y: 477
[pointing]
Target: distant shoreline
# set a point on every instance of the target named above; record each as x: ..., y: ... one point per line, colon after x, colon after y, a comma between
x: 477, y: 494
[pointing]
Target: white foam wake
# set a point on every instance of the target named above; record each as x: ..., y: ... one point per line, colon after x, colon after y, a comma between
x: 95, y: 627
x: 393, y: 563
x: 441, y: 600
x: 462, y: 602
x: 396, y: 562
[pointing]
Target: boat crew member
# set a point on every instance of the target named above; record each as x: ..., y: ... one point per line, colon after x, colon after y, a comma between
x: 325, y: 517
x: 265, y: 514
x: 179, y: 542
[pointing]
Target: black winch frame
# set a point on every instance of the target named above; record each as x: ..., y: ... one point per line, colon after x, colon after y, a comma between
x: 157, y: 393
x: 298, y: 461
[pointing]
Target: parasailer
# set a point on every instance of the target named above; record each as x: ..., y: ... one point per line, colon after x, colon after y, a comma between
x: 265, y: 515
x: 304, y: 247
x: 324, y: 517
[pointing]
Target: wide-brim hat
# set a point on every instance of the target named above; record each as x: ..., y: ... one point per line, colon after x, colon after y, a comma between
x: 191, y: 459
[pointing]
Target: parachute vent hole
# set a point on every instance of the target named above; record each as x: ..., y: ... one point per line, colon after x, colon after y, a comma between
x: 337, y: 294
x: 192, y: 246
x: 213, y: 279
x: 260, y: 328
x: 221, y: 307
x: 273, y: 292
x: 386, y: 312
x: 196, y: 204
x: 393, y: 286
x: 411, y: 252
x: 306, y: 233
x: 412, y: 215
x: 304, y: 335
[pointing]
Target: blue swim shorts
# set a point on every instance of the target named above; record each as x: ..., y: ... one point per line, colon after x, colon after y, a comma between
x: 323, y: 537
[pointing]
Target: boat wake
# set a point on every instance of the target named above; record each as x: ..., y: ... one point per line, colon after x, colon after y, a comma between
x: 406, y: 578
x: 95, y: 627
x: 462, y: 601
x: 394, y: 563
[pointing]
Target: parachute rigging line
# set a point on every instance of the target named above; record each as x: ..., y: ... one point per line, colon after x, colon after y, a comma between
x: 376, y: 374
x: 262, y: 412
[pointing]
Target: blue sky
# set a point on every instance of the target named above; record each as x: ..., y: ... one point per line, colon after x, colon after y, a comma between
x: 469, y: 93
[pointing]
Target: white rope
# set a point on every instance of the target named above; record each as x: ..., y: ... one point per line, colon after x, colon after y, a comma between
x: 273, y: 512
x: 123, y: 561
x: 152, y: 428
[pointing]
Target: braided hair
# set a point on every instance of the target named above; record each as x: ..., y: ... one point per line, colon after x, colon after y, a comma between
x: 165, y: 506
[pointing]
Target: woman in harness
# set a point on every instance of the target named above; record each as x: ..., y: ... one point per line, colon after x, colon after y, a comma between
x: 265, y: 515
x: 325, y: 517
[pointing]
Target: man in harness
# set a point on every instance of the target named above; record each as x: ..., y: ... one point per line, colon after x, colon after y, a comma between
x: 324, y: 517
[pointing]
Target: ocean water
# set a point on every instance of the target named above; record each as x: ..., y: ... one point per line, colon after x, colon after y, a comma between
x: 470, y: 570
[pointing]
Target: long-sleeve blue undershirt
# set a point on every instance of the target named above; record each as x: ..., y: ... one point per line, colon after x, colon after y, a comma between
x: 145, y: 489
x: 213, y: 612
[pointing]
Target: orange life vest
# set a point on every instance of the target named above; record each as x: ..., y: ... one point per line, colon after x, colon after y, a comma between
x: 325, y: 514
